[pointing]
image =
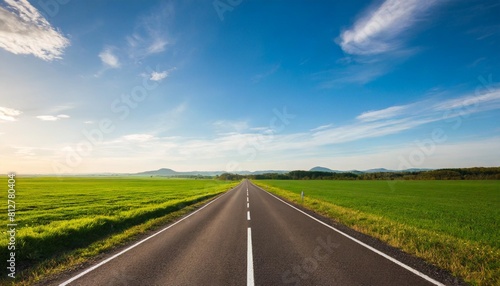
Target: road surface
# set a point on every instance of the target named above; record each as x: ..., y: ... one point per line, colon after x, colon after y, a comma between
x: 248, y: 237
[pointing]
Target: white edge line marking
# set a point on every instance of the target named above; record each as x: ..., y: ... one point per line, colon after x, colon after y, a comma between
x: 250, y: 278
x: 414, y: 271
x: 248, y: 215
x: 138, y: 243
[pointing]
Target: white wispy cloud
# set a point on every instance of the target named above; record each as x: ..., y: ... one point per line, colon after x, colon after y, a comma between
x: 9, y: 114
x: 52, y: 117
x: 488, y: 100
x: 157, y: 45
x: 151, y: 33
x: 380, y: 29
x: 108, y: 58
x: 322, y: 127
x: 25, y: 31
x: 47, y: 117
x: 158, y: 76
x: 382, y: 114
x: 395, y: 119
x: 150, y: 36
x: 151, y: 43
x: 359, y: 73
x: 364, y: 130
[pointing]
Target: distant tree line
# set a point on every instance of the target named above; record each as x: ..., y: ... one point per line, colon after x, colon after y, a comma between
x: 479, y: 173
x: 196, y: 177
x: 230, y: 177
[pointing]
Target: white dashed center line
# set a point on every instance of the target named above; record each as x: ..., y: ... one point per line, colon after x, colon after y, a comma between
x: 250, y: 278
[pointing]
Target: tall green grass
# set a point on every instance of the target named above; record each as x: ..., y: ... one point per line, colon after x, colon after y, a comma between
x: 61, y: 216
x: 452, y: 224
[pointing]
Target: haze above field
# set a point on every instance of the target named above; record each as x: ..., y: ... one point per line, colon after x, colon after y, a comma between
x: 97, y: 86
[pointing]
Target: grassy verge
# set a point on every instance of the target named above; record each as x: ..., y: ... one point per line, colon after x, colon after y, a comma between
x: 452, y: 224
x: 63, y: 223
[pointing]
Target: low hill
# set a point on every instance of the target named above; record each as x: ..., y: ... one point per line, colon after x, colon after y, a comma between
x: 322, y: 169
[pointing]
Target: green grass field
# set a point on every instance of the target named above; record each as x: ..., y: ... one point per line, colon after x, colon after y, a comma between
x: 63, y: 221
x: 452, y: 224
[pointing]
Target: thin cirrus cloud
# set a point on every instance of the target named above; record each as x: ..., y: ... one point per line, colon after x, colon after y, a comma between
x: 371, y: 124
x: 358, y: 73
x: 381, y: 114
x: 148, y: 44
x: 380, y: 30
x: 322, y: 127
x: 52, y: 117
x: 108, y: 58
x: 399, y: 118
x: 150, y: 35
x: 9, y: 114
x: 24, y: 31
x: 470, y: 103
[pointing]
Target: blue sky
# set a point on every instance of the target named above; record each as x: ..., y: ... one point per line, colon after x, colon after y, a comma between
x: 128, y: 86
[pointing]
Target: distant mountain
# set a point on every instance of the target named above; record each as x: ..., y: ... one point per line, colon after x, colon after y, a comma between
x: 323, y: 169
x: 160, y: 172
x: 378, y: 170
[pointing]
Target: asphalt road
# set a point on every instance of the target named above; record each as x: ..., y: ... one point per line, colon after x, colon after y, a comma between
x: 248, y: 237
